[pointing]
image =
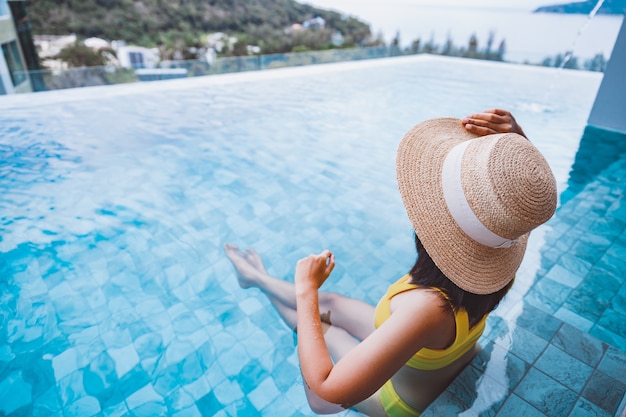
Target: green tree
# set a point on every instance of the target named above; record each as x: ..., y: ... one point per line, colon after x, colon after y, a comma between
x: 597, y: 63
x: 144, y: 22
x: 448, y: 48
x: 240, y: 48
x: 488, y: 51
x: 501, y: 51
x: 472, y: 47
x: 79, y: 55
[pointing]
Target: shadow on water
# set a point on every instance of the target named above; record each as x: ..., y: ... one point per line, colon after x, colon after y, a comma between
x: 598, y: 149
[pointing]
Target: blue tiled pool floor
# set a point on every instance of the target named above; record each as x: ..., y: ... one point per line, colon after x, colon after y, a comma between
x: 567, y: 355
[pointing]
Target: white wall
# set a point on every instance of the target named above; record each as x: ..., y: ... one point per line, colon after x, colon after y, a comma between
x: 150, y: 56
x: 609, y: 109
x: 5, y: 77
x: 7, y: 33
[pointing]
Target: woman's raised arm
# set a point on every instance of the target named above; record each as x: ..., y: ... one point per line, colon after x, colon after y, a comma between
x: 363, y: 370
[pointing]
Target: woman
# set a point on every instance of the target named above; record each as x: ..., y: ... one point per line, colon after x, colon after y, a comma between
x: 472, y: 195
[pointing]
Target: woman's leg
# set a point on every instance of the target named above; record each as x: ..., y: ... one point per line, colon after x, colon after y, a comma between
x: 351, y: 319
x: 354, y: 316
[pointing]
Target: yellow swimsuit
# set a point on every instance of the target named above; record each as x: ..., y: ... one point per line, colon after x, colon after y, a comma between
x: 424, y: 359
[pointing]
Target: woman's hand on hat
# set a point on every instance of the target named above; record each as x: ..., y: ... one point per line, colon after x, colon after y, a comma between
x: 312, y: 271
x: 492, y: 121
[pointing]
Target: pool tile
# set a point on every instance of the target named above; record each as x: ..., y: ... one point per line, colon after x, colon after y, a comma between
x: 209, y: 405
x: 589, y: 301
x: 616, y: 266
x: 583, y: 221
x: 550, y: 256
x: 84, y: 406
x: 263, y: 394
x: 604, y: 391
x: 489, y: 396
x: 228, y: 392
x: 608, y: 336
x: 563, y: 276
x: 523, y: 344
x: 191, y: 411
x: 251, y: 375
x: 573, y: 319
x: 46, y: 404
x: 147, y: 394
x: 15, y: 393
x: 617, y: 250
x: 116, y: 410
x: 198, y: 388
x: 547, y: 395
x: 609, y: 227
x: 618, y: 303
x: 605, y: 279
x: 38, y: 373
x: 296, y: 396
x: 133, y: 381
x: 149, y: 409
x: 614, y: 320
x: 584, y: 408
x: 564, y: 242
x: 621, y: 408
x: 591, y: 247
x: 493, y: 359
x: 515, y: 406
x: 614, y: 364
x: 446, y: 405
x: 580, y: 345
x: 538, y: 322
x: 464, y: 386
x: 280, y: 408
x: 564, y: 368
x: 548, y: 295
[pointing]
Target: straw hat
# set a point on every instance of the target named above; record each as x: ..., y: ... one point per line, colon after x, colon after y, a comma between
x: 473, y: 200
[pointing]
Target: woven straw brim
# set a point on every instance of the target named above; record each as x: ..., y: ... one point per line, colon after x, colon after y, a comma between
x: 471, y: 266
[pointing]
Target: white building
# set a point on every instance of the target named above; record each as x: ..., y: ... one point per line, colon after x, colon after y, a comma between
x: 220, y: 41
x: 48, y: 46
x: 137, y: 57
x: 13, y: 71
x: 314, y: 23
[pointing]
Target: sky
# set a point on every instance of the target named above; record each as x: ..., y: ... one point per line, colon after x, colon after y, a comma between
x: 528, y: 36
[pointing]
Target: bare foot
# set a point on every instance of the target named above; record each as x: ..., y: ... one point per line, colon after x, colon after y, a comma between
x: 247, y: 274
x: 254, y: 259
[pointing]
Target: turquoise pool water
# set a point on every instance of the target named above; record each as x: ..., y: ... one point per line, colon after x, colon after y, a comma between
x: 117, y: 298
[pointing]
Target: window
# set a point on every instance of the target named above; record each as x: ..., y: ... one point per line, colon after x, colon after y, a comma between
x: 14, y: 62
x: 136, y: 59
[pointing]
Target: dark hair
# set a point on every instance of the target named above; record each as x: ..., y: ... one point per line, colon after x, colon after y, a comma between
x: 426, y: 274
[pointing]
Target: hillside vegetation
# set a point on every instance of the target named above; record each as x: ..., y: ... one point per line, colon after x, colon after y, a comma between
x: 178, y: 23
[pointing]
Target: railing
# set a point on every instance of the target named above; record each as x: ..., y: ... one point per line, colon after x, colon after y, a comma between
x: 43, y: 80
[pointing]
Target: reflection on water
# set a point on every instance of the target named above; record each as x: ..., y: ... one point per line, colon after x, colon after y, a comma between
x: 598, y: 149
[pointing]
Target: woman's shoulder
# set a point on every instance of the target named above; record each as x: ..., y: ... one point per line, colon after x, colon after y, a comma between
x: 410, y: 294
x: 426, y: 307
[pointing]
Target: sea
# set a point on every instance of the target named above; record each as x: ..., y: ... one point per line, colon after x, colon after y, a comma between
x: 529, y: 37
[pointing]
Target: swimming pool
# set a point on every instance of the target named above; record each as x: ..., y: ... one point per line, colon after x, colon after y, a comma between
x: 116, y: 295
